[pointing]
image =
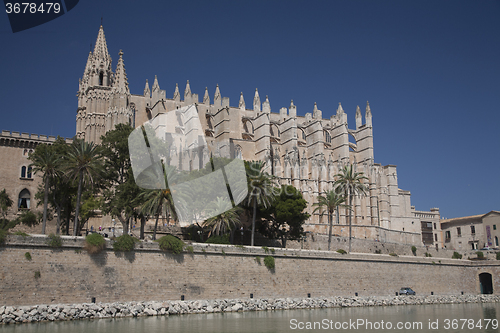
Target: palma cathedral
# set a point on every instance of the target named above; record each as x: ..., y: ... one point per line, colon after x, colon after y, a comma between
x: 303, y: 151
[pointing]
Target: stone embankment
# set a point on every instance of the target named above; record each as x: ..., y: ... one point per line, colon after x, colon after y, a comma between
x: 53, y: 312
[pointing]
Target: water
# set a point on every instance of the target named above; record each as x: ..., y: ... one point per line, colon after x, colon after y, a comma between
x: 416, y: 318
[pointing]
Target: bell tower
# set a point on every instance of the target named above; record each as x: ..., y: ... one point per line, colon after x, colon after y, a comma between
x: 103, y: 97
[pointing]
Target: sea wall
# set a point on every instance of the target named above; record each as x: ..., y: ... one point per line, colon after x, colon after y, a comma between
x: 53, y: 312
x: 70, y: 275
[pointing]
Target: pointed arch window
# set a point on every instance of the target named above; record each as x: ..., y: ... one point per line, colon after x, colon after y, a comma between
x: 237, y: 152
x: 24, y: 199
x: 23, y: 172
x: 29, y: 172
x: 101, y: 78
x: 328, y: 138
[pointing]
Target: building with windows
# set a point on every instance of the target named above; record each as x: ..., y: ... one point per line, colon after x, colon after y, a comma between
x: 16, y: 176
x: 304, y: 151
x: 472, y: 232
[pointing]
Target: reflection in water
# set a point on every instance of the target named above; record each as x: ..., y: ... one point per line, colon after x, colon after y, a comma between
x: 413, y: 317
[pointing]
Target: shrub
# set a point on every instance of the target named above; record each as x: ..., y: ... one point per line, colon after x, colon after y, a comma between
x: 266, y: 249
x: 269, y: 262
x: 124, y: 243
x: 378, y: 251
x: 94, y: 243
x: 414, y: 250
x: 54, y: 241
x: 393, y: 254
x: 37, y: 274
x: 28, y: 255
x: 171, y: 243
x: 20, y: 233
x: 480, y: 255
x: 223, y: 253
x: 214, y: 239
x: 341, y: 251
x: 257, y: 259
x: 456, y: 255
x: 190, y: 249
x: 498, y: 255
x: 427, y: 254
x: 272, y: 250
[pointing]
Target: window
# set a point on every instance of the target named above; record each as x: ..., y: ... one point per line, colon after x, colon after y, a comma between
x: 448, y: 235
x: 101, y: 78
x: 472, y: 229
x: 29, y: 172
x: 23, y: 172
x: 24, y: 200
x: 435, y: 226
x: 435, y: 237
x: 496, y: 241
x: 328, y: 138
x: 459, y: 232
x: 237, y: 152
x: 494, y: 227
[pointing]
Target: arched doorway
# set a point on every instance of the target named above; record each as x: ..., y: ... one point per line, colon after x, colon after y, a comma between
x: 24, y: 199
x: 485, y: 283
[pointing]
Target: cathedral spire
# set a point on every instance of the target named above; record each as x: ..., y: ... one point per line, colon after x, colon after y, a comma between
x: 206, y: 97
x: 359, y: 118
x: 121, y: 81
x: 217, y: 97
x: 147, y: 92
x: 292, y: 110
x: 368, y: 115
x: 177, y: 94
x: 101, y: 54
x: 256, y: 101
x: 241, y: 104
x: 266, y: 106
x: 317, y: 114
x: 156, y: 86
x: 187, y: 93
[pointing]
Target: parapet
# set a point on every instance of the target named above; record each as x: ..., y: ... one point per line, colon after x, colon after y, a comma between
x: 31, y: 137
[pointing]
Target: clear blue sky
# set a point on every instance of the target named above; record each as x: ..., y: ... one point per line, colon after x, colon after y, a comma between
x: 430, y: 70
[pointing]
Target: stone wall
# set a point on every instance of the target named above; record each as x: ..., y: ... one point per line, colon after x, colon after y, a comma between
x: 70, y: 275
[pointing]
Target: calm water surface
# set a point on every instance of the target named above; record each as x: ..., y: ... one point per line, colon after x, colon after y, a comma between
x: 447, y: 317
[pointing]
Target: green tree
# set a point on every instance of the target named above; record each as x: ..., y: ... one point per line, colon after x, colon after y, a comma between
x: 45, y: 160
x: 260, y: 185
x: 159, y: 198
x: 5, y: 203
x: 350, y: 183
x: 331, y: 201
x: 225, y: 222
x: 84, y: 162
x: 284, y: 217
x: 121, y: 194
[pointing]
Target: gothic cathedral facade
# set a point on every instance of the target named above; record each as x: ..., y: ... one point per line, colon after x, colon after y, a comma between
x: 303, y: 151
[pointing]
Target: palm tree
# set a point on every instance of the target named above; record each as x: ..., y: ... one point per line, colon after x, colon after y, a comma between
x: 45, y: 160
x: 5, y: 203
x: 156, y: 200
x: 260, y: 189
x: 221, y: 223
x: 85, y: 163
x: 350, y: 183
x: 332, y: 201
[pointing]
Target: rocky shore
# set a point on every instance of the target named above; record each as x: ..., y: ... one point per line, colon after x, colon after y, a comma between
x: 53, y: 312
